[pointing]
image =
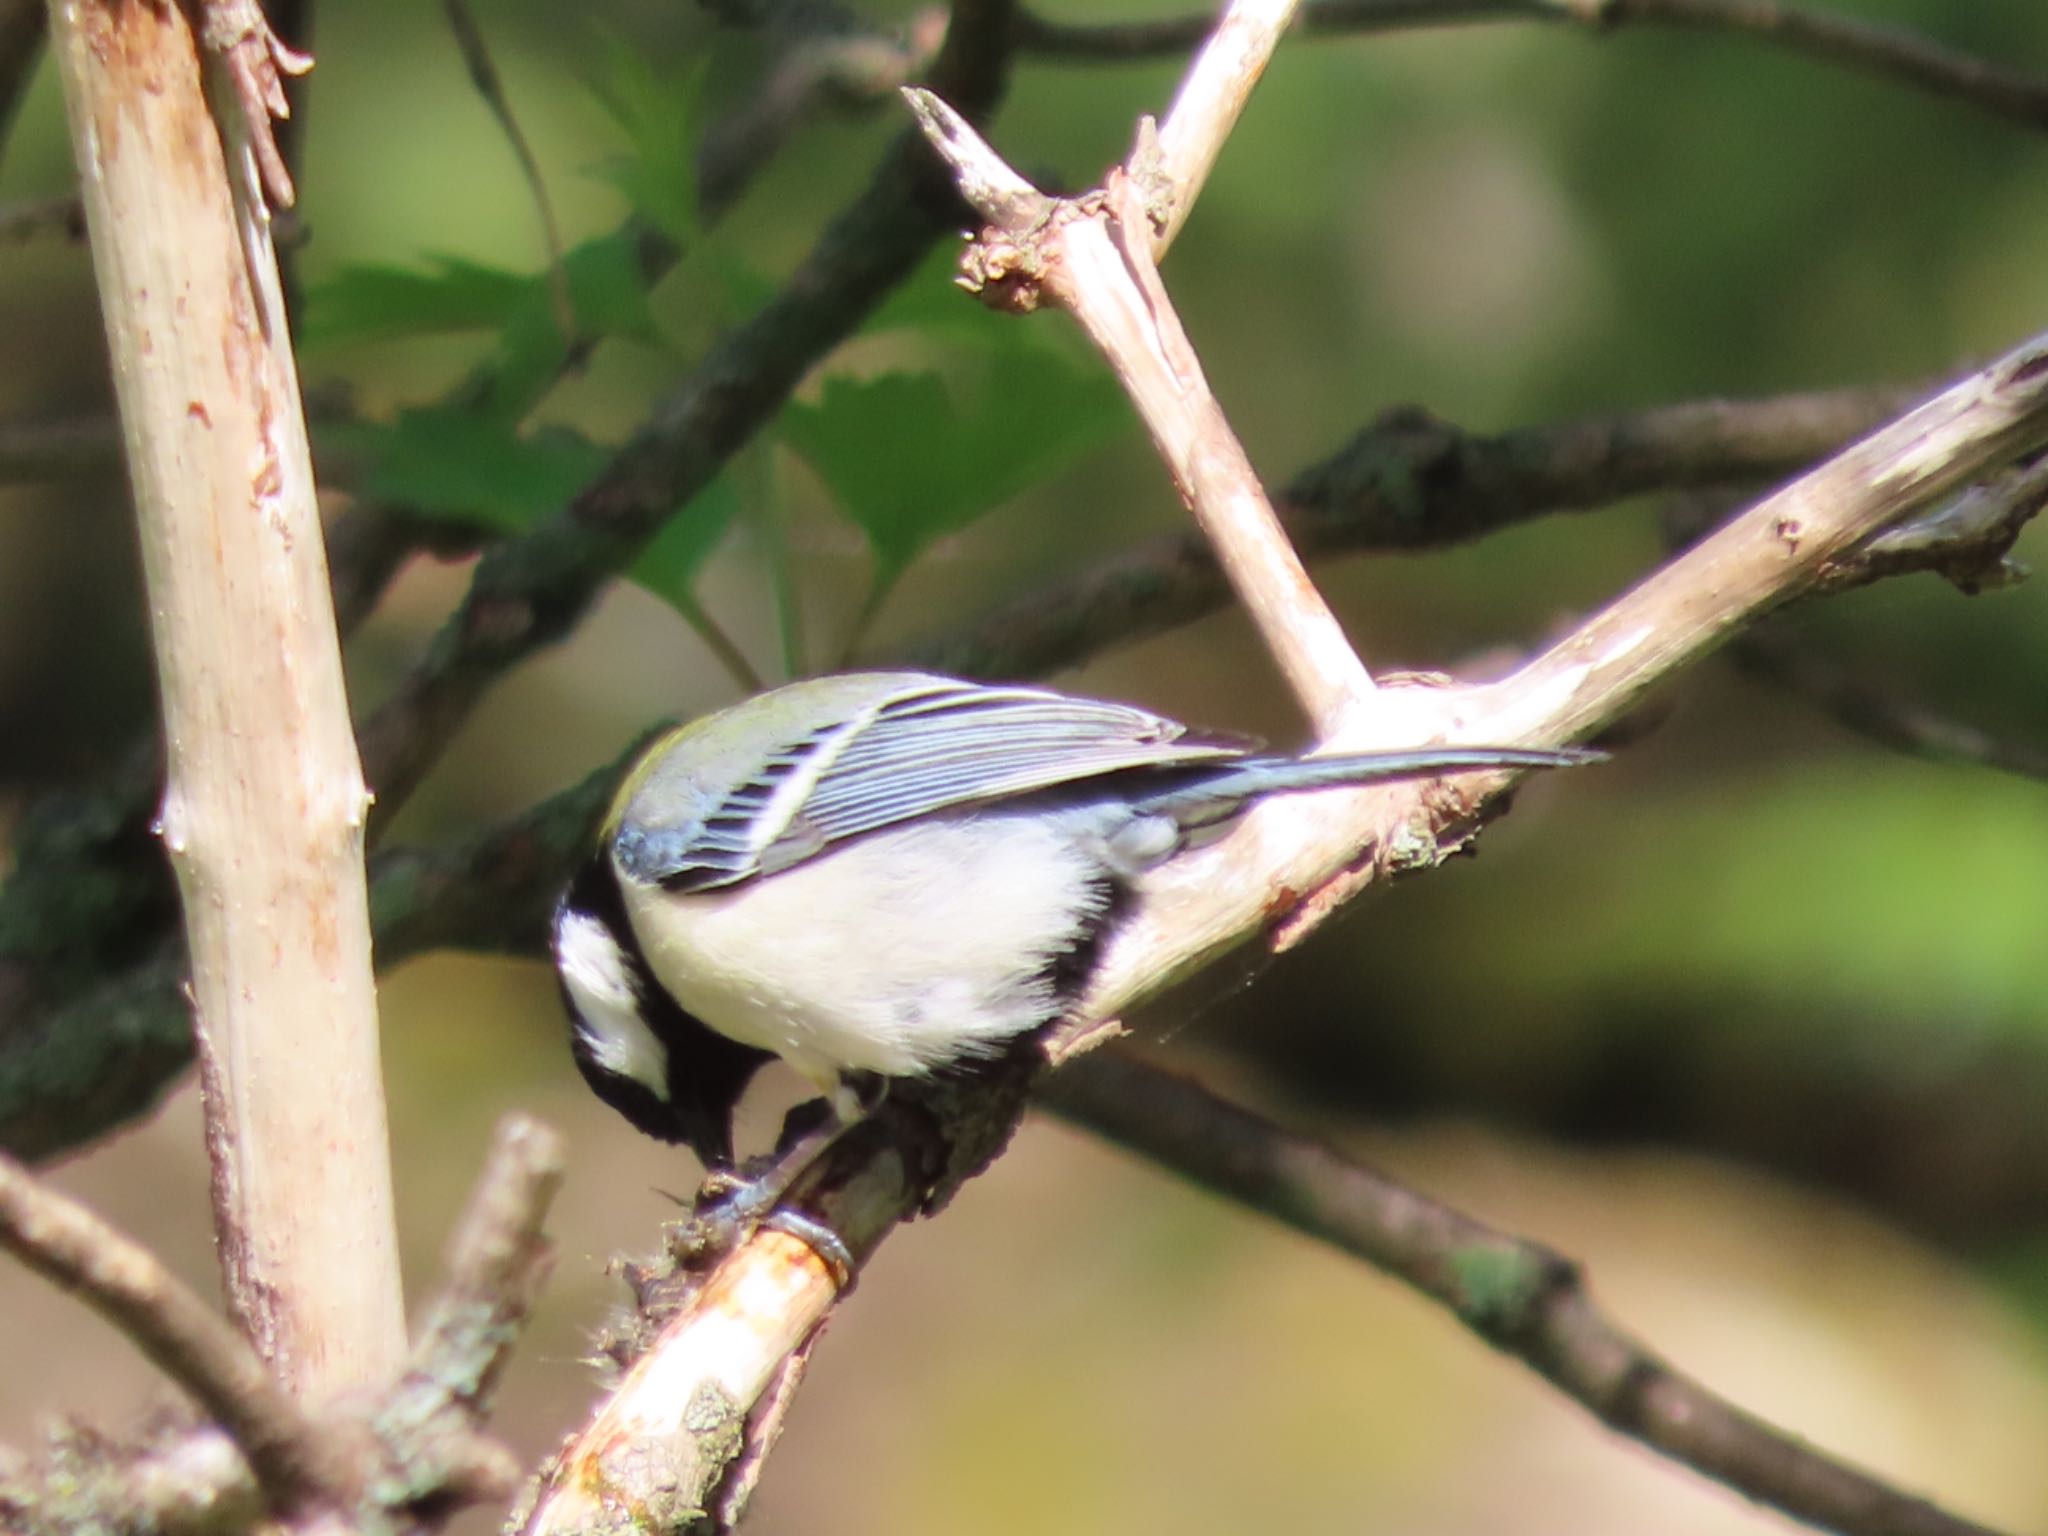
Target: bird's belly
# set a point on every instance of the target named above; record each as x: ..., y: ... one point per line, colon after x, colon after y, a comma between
x: 894, y: 954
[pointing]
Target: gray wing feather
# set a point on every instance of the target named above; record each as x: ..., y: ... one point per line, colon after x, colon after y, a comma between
x: 933, y: 750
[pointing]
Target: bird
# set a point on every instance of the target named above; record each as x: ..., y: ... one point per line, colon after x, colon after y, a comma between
x: 879, y: 875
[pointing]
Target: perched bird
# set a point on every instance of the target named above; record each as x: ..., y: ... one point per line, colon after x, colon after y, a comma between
x: 877, y: 874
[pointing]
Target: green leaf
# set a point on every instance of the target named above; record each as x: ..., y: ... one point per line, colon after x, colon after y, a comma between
x: 668, y: 566
x: 660, y: 117
x: 461, y: 465
x: 607, y: 291
x: 378, y: 301
x: 910, y: 459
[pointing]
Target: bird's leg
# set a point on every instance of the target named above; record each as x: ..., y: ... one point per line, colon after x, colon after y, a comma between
x: 732, y: 1203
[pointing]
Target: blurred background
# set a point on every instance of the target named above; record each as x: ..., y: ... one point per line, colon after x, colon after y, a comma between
x: 1754, y: 1021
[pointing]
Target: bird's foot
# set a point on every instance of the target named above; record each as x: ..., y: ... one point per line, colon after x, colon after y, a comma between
x: 731, y: 1203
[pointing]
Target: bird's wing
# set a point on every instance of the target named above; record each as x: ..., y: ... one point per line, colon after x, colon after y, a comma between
x: 930, y: 746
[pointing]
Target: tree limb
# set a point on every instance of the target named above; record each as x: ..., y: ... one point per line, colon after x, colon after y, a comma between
x: 293, y: 1461
x: 264, y: 805
x: 1847, y: 41
x: 531, y: 590
x: 403, y: 1461
x: 1518, y: 1296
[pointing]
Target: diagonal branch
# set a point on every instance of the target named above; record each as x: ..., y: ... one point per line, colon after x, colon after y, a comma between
x: 530, y: 591
x: 67, y: 1245
x: 403, y: 1461
x: 772, y: 1291
x: 1093, y: 256
x: 1848, y: 41
x: 1412, y: 481
x: 1522, y: 1298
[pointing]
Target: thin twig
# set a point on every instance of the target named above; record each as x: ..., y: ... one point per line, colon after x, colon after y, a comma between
x: 21, y: 222
x: 1843, y: 40
x: 826, y: 56
x: 294, y: 1459
x: 498, y: 1257
x: 1876, y: 710
x: 1518, y: 1296
x: 1206, y: 108
x: 533, y: 589
x: 1094, y: 257
x: 483, y: 74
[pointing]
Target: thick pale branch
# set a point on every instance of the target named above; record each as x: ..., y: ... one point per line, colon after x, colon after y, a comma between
x: 1518, y: 1296
x: 263, y: 811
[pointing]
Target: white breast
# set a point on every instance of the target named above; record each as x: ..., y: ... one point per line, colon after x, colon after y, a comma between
x: 894, y: 954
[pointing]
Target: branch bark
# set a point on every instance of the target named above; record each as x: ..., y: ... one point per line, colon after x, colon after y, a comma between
x: 122, y: 1281
x: 263, y: 814
x: 690, y: 1389
x: 1518, y: 1296
x: 1852, y: 43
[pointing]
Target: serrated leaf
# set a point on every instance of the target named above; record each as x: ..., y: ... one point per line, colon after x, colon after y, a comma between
x: 908, y: 465
x: 607, y: 290
x: 376, y: 301
x: 462, y: 465
x: 668, y: 566
x: 659, y: 115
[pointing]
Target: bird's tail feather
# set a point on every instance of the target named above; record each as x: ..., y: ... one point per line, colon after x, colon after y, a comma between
x: 1225, y: 788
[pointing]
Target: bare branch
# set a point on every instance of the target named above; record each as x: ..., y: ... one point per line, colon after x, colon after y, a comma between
x: 1518, y: 1296
x: 1093, y: 256
x: 420, y: 1450
x: 1206, y: 108
x: 1413, y: 481
x: 483, y: 74
x: 52, y: 450
x: 63, y: 216
x: 497, y: 1261
x: 1878, y: 711
x: 1847, y: 41
x: 828, y: 56
x: 263, y: 815
x: 66, y: 1244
